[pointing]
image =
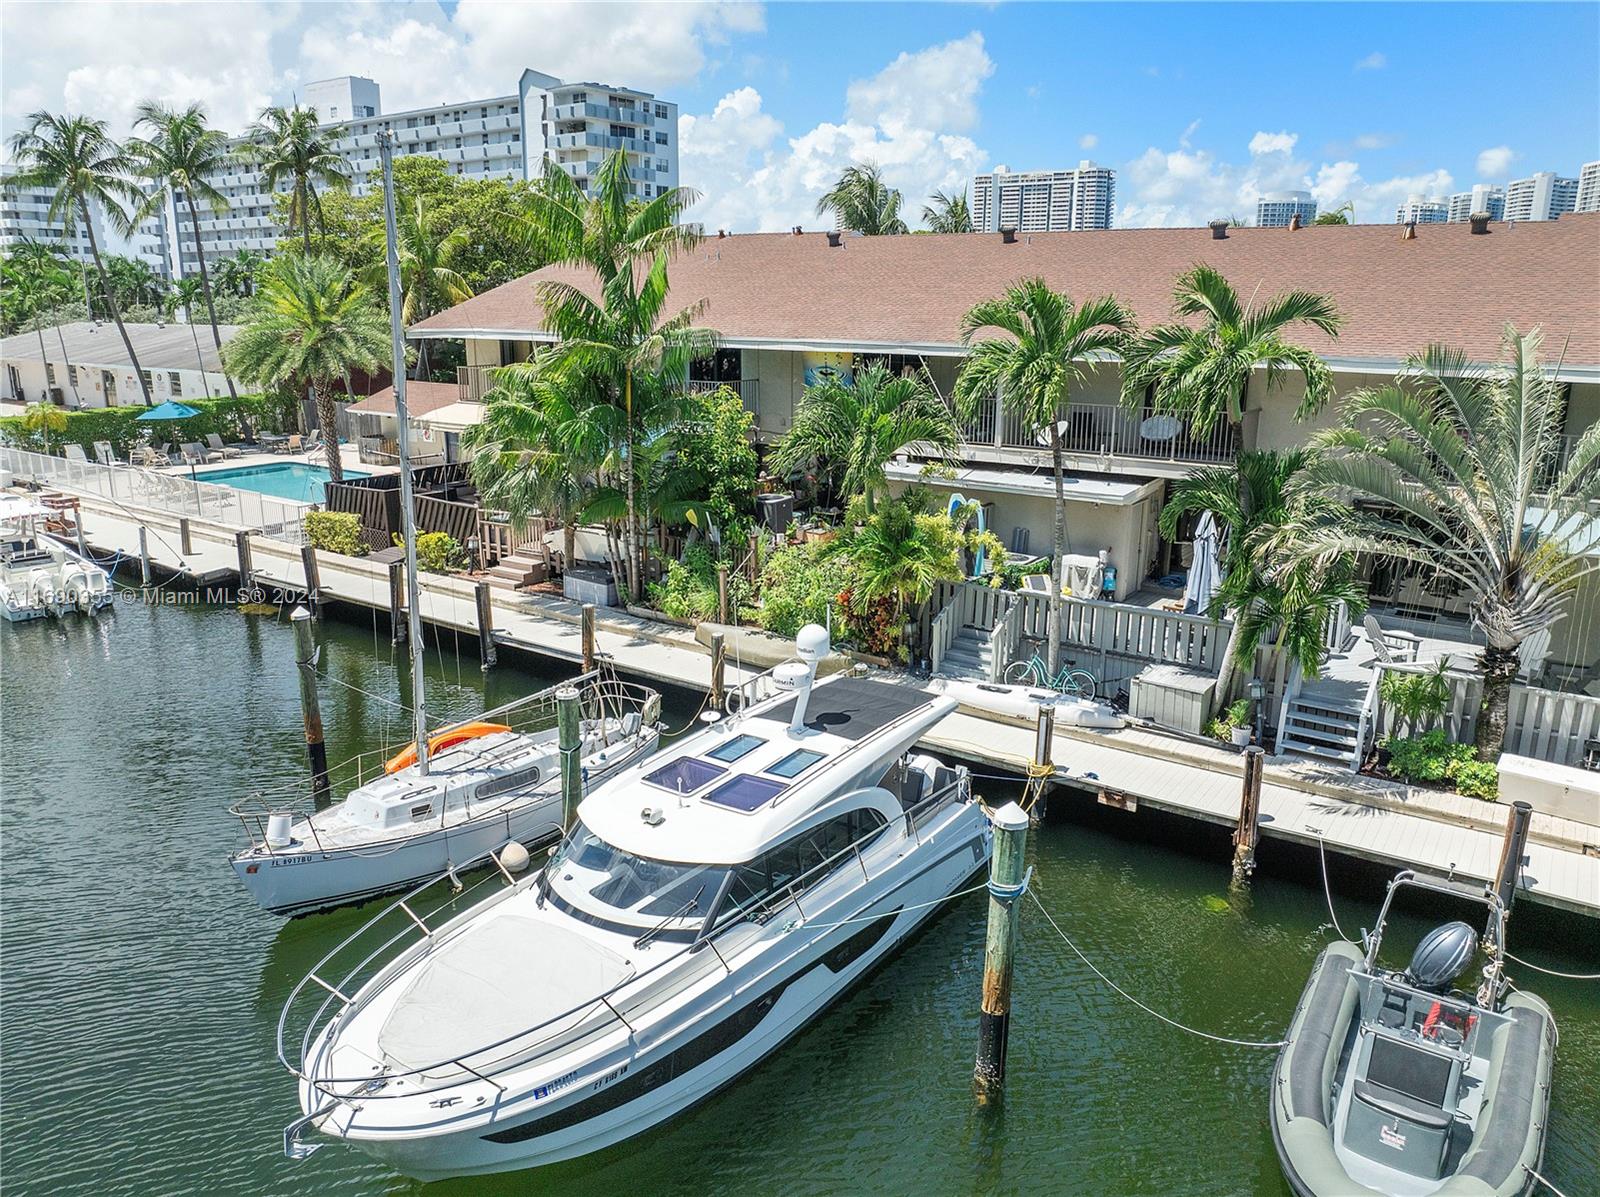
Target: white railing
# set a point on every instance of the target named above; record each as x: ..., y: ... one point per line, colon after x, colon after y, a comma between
x: 1003, y: 642
x: 942, y: 635
x: 157, y: 490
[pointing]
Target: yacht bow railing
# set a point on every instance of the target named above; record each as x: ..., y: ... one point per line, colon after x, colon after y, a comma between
x: 419, y: 929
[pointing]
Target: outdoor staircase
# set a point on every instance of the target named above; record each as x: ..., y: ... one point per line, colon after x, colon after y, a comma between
x: 969, y: 654
x: 520, y: 569
x: 1322, y: 725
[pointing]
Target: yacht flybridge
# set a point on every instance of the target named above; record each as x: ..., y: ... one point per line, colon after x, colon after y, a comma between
x: 490, y: 782
x: 704, y: 906
x: 39, y: 575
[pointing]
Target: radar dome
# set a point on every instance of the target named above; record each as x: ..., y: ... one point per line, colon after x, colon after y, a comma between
x: 811, y: 644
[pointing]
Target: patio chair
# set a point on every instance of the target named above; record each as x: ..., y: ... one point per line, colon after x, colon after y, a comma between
x: 214, y: 442
x: 194, y: 454
x: 74, y: 452
x: 293, y: 445
x: 105, y: 454
x: 1391, y: 647
x: 148, y: 455
x: 1532, y: 656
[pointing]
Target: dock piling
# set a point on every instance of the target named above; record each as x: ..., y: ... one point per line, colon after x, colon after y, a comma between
x: 310, y: 712
x: 308, y: 563
x: 144, y: 557
x: 1512, y: 851
x: 568, y: 723
x: 185, y: 536
x: 1006, y: 887
x: 77, y: 524
x: 486, y: 650
x: 588, y: 637
x: 241, y: 544
x: 1043, y: 766
x: 719, y: 666
x: 722, y: 592
x: 1247, y: 832
x: 753, y: 561
x: 397, y: 586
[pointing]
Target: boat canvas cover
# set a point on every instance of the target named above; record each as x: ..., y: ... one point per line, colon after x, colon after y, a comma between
x: 507, y: 975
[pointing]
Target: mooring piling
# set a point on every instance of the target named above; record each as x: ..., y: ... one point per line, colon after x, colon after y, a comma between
x: 310, y: 711
x: 397, y: 588
x: 77, y: 524
x: 722, y: 592
x: 1006, y: 886
x: 308, y: 564
x: 1247, y: 831
x: 185, y: 536
x: 719, y: 665
x: 144, y: 557
x: 241, y: 545
x: 588, y: 637
x: 569, y: 738
x: 486, y: 651
x: 1043, y: 766
x: 1512, y: 850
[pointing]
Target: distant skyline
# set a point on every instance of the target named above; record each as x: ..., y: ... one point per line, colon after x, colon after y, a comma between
x: 1198, y: 107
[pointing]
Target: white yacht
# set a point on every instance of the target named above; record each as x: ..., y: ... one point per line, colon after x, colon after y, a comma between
x: 39, y: 575
x: 703, y: 908
x: 489, y: 782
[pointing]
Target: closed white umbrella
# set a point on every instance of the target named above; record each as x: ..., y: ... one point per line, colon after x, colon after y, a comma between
x: 1203, y: 569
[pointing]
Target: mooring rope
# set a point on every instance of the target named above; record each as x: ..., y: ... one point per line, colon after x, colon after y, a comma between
x: 1322, y: 855
x: 1543, y: 1181
x: 1277, y: 1043
x: 1550, y: 972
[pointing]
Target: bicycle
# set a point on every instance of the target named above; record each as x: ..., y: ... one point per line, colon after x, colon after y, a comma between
x: 1075, y: 683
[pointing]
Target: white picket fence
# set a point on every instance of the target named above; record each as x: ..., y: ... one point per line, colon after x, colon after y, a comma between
x: 158, y: 490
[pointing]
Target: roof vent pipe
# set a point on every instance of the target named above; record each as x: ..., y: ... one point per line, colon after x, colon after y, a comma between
x: 721, y: 233
x: 1411, y: 231
x: 1219, y: 230
x: 797, y: 230
x: 1480, y: 223
x: 835, y: 240
x: 1294, y: 221
x: 1008, y: 235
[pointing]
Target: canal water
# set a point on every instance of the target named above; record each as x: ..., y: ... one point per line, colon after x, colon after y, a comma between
x: 140, y: 988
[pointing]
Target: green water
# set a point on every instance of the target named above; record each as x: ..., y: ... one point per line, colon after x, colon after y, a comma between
x: 139, y: 987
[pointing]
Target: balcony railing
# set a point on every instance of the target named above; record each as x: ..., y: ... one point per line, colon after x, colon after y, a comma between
x: 474, y: 382
x: 1106, y: 430
x: 748, y: 389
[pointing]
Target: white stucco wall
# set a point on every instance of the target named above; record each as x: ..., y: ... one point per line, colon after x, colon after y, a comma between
x: 29, y: 384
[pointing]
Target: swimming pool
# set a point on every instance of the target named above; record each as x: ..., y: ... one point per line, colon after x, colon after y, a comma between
x: 283, y: 480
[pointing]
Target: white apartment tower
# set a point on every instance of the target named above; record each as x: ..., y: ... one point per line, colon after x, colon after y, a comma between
x: 1045, y: 201
x: 503, y: 137
x: 1276, y: 209
x: 1543, y: 196
x: 1422, y: 209
x: 25, y: 216
x: 1588, y: 188
x: 1482, y: 198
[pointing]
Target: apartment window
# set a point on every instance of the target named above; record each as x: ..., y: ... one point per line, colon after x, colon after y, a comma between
x: 661, y: 138
x: 72, y: 377
x: 516, y: 137
x: 333, y: 111
x: 432, y: 145
x: 411, y: 122
x: 50, y: 374
x: 580, y: 97
x: 483, y: 111
x: 661, y: 165
x: 174, y: 383
x: 661, y: 111
x: 109, y: 381
x: 149, y: 380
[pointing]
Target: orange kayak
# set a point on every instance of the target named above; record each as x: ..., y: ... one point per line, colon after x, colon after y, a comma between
x: 444, y: 739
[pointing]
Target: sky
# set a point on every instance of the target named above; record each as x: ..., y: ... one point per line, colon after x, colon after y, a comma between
x: 1199, y: 107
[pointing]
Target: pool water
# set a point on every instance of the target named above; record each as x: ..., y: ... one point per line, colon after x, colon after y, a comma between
x: 283, y: 480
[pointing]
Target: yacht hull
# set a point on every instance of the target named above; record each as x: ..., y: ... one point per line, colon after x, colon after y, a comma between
x: 617, y: 1098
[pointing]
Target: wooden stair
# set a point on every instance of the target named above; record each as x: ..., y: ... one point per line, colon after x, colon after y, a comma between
x: 969, y: 654
x: 1321, y: 726
x: 520, y: 569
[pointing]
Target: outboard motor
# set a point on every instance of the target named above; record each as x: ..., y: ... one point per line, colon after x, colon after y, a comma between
x: 1441, y: 956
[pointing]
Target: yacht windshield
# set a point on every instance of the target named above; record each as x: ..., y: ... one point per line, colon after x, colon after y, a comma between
x: 602, y: 883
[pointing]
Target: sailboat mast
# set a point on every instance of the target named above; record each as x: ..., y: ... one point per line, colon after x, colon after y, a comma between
x: 408, y: 526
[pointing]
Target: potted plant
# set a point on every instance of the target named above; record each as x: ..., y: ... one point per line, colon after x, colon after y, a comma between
x: 1233, y: 725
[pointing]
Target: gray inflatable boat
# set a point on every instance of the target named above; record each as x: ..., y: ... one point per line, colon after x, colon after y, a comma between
x: 1396, y: 1084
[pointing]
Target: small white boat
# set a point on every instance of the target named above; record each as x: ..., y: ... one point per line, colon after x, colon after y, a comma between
x: 704, y: 907
x: 490, y: 782
x: 39, y: 575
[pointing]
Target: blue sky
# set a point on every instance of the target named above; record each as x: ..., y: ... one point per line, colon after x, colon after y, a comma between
x: 1198, y: 106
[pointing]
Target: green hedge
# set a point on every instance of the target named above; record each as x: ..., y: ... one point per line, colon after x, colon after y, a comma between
x: 336, y: 532
x: 228, y: 418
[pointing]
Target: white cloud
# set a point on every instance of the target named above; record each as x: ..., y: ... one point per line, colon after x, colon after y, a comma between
x: 910, y: 118
x: 1088, y: 141
x: 1495, y: 162
x: 1375, y: 61
x: 1188, y: 186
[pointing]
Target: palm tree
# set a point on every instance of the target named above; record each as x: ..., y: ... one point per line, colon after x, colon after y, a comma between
x: 36, y: 280
x: 541, y: 446
x: 948, y: 213
x: 426, y: 271
x: 862, y: 426
x: 134, y: 282
x: 236, y: 275
x: 1257, y: 504
x: 1340, y: 215
x: 625, y: 334
x: 312, y: 322
x: 862, y: 202
x: 288, y: 147
x: 1457, y: 468
x: 1202, y: 372
x: 186, y: 294
x: 178, y: 159
x: 1031, y: 370
x: 77, y: 157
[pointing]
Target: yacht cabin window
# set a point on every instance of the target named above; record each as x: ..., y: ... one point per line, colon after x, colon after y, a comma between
x: 780, y: 866
x: 796, y: 763
x: 603, y: 884
x: 685, y: 775
x: 732, y: 750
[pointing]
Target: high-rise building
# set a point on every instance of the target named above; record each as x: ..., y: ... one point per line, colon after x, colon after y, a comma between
x: 1543, y: 196
x: 1423, y: 210
x: 1482, y: 198
x: 25, y: 216
x: 1276, y: 209
x: 1588, y: 188
x: 575, y: 125
x: 1045, y: 201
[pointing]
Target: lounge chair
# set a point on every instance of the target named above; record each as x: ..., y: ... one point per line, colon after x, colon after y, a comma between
x: 74, y: 452
x: 104, y: 453
x: 1532, y: 656
x: 194, y: 454
x: 1391, y: 647
x: 214, y: 442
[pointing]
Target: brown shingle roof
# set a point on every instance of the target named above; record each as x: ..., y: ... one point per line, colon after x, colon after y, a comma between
x: 421, y: 398
x: 1397, y: 296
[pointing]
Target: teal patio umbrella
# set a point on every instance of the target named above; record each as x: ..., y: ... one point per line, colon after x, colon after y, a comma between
x: 167, y: 413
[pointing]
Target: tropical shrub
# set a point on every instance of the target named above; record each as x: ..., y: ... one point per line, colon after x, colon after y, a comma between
x: 715, y: 443
x: 1417, y: 698
x: 231, y: 419
x: 688, y: 590
x: 1433, y: 757
x: 1236, y: 715
x: 438, y: 553
x: 335, y: 532
x: 801, y: 584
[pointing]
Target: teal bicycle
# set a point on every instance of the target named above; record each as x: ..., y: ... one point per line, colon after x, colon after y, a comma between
x: 1075, y: 683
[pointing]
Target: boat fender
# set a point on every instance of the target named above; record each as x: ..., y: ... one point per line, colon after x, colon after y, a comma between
x: 514, y: 857
x: 278, y: 823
